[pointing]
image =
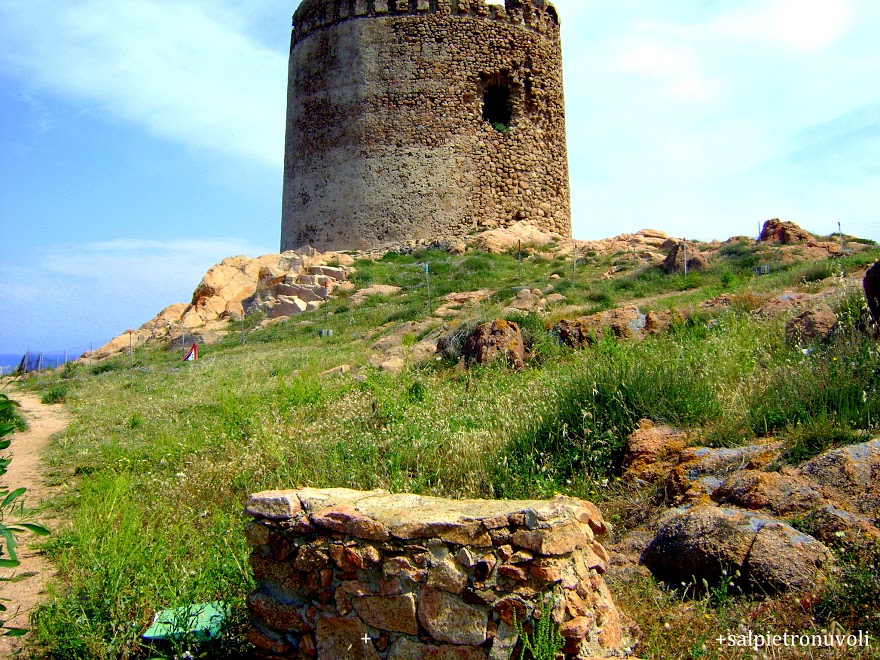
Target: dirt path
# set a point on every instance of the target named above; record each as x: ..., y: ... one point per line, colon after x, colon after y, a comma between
x: 26, y: 471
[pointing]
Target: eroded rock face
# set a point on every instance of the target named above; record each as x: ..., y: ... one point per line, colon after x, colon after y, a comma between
x: 777, y: 231
x: 424, y: 577
x: 684, y: 256
x: 703, y: 541
x: 491, y: 341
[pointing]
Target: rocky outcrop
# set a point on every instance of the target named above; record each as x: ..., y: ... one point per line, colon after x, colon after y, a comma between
x: 849, y: 474
x: 732, y: 502
x: 813, y: 325
x: 300, y: 288
x: 383, y: 290
x: 498, y: 339
x: 651, y: 451
x: 498, y: 241
x: 406, y: 576
x: 622, y: 323
x: 647, y: 244
x: 684, y: 257
x: 705, y: 541
x: 777, y: 231
x: 275, y: 284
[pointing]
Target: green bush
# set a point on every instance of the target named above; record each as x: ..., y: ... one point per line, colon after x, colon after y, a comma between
x: 56, y: 393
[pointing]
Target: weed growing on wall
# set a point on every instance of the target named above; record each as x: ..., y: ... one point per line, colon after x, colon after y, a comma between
x: 545, y: 641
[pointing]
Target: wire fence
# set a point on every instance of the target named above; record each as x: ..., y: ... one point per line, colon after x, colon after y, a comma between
x: 32, y: 360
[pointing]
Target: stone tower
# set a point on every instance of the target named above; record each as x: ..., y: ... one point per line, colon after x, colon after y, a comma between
x: 415, y: 119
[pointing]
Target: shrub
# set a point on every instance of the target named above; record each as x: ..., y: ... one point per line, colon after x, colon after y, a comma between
x: 539, y: 343
x: 56, y: 393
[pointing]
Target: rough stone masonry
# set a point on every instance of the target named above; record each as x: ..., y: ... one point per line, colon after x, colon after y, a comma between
x: 349, y: 574
x: 422, y: 119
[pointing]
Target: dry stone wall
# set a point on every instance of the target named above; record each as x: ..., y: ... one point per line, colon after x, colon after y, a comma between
x: 349, y: 574
x: 391, y: 107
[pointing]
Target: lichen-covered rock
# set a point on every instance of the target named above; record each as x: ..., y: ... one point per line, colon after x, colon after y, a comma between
x: 703, y: 469
x: 623, y: 323
x: 849, y: 474
x: 704, y: 541
x: 498, y: 339
x: 778, y: 493
x: 451, y: 620
x: 405, y: 649
x: 829, y: 523
x: 339, y: 637
x: 651, y: 451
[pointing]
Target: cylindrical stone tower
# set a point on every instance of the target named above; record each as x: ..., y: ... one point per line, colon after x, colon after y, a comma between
x: 422, y: 119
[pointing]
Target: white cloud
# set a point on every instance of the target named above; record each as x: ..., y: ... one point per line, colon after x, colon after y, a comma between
x: 676, y: 65
x: 801, y: 25
x: 181, y: 70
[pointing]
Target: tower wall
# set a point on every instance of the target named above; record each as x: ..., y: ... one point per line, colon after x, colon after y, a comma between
x: 387, y: 135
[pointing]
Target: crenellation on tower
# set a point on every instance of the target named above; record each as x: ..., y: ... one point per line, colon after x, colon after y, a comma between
x: 422, y: 119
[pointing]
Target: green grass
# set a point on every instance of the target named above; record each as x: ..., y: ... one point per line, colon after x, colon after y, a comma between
x: 161, y: 457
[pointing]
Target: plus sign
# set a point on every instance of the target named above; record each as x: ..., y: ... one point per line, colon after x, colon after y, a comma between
x: 366, y: 639
x: 721, y: 639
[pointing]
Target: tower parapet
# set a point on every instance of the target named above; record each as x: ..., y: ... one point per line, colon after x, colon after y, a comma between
x: 318, y: 14
x: 422, y: 119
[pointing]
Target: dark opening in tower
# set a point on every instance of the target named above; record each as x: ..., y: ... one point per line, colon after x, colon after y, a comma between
x: 497, y: 109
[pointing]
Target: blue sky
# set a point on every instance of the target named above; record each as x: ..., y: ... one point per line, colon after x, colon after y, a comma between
x: 142, y: 140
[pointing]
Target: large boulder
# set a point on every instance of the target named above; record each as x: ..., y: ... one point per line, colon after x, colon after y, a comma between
x: 498, y: 339
x: 684, y: 256
x: 777, y: 231
x: 623, y: 323
x: 813, y: 325
x: 871, y: 283
x: 502, y: 240
x: 702, y: 542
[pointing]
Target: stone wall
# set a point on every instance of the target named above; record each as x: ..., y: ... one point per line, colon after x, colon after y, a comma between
x: 348, y: 574
x: 386, y: 135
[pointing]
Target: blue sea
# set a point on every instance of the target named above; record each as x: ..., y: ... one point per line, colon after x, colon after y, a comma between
x: 10, y: 361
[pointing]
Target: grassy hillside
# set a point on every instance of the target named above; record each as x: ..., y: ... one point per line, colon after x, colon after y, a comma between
x: 161, y: 457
